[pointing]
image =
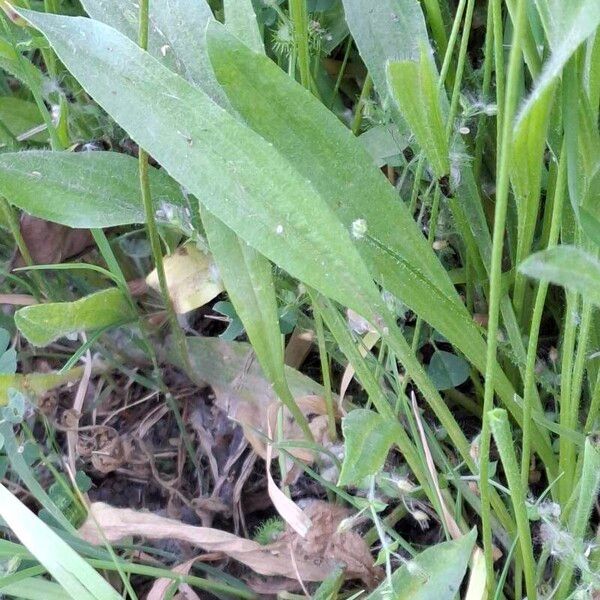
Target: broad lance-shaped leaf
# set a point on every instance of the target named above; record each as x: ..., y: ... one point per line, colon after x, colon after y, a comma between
x: 83, y: 189
x: 567, y: 25
x: 323, y: 149
x: 225, y: 164
x: 435, y: 574
x: 376, y: 33
x: 240, y: 19
x: 571, y: 267
x: 339, y: 167
x: 175, y: 35
x: 43, y: 324
x: 246, y: 273
x: 414, y: 86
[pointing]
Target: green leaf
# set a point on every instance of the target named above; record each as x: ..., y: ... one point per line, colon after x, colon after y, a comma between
x: 331, y: 585
x: 35, y: 383
x: 367, y: 440
x: 385, y: 144
x: 43, y: 324
x: 446, y: 370
x: 226, y: 165
x: 414, y: 86
x: 435, y: 574
x: 240, y: 19
x: 15, y: 408
x: 567, y: 25
x: 175, y: 36
x: 529, y: 142
x: 391, y: 31
x: 82, y: 189
x: 20, y: 116
x: 339, y: 167
x: 571, y: 267
x: 8, y: 361
x: 75, y: 576
x: 235, y: 327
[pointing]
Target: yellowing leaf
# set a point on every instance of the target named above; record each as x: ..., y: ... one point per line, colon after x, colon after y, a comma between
x: 192, y: 279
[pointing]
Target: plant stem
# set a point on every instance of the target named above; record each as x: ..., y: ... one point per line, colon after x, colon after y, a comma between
x: 566, y: 378
x: 325, y: 372
x: 299, y: 18
x: 364, y: 95
x: 498, y: 422
x: 502, y: 189
x: 460, y: 67
x: 536, y: 320
x: 488, y: 61
x: 152, y: 228
x: 588, y: 492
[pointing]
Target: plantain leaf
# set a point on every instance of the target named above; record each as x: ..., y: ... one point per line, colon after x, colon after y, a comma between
x: 83, y: 189
x: 226, y: 165
x: 175, y: 35
x: 240, y: 19
x: 414, y: 86
x: 571, y: 267
x: 43, y: 324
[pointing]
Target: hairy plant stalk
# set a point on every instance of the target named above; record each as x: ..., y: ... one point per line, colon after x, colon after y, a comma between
x: 502, y: 190
x: 152, y: 228
x: 536, y: 320
x: 498, y: 422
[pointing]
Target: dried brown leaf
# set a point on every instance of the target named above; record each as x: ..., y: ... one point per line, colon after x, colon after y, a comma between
x: 314, y: 557
x: 160, y: 586
x: 51, y: 243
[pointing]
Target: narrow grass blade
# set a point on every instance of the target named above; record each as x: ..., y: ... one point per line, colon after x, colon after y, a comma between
x: 75, y: 576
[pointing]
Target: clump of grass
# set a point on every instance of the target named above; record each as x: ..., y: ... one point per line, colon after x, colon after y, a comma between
x: 423, y: 176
